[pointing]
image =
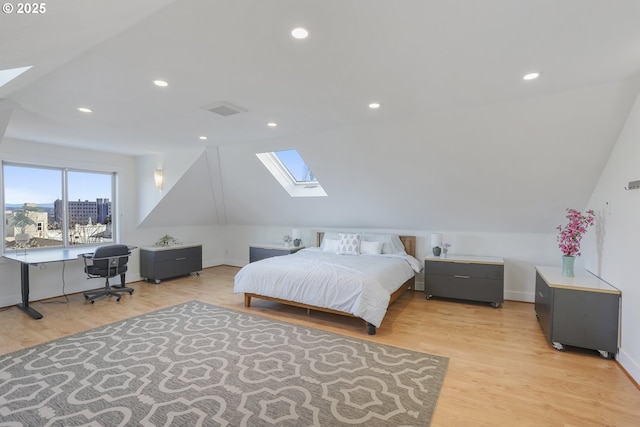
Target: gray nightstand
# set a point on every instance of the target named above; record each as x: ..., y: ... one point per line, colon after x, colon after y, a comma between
x: 159, y: 263
x: 258, y: 252
x: 581, y: 311
x: 471, y: 278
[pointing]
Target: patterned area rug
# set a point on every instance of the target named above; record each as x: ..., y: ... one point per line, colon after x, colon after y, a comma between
x: 196, y: 364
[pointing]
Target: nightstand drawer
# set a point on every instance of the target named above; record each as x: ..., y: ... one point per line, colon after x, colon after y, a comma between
x: 179, y: 253
x: 468, y: 278
x: 472, y: 289
x: 486, y: 271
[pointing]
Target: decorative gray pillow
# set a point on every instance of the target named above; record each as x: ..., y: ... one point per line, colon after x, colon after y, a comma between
x: 349, y: 244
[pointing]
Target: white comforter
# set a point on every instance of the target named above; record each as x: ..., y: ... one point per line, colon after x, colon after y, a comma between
x: 356, y: 284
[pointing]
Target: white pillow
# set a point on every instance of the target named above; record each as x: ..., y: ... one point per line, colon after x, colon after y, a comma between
x: 349, y: 244
x: 370, y: 248
x: 330, y: 245
x: 329, y: 235
x: 391, y: 243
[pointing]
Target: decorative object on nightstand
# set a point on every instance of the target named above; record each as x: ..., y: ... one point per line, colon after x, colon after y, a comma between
x: 165, y: 241
x: 436, y: 242
x: 571, y: 235
x: 297, y: 237
x: 445, y: 248
x: 287, y: 240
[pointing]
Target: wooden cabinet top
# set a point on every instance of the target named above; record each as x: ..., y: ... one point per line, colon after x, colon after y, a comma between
x: 170, y: 248
x: 583, y: 280
x: 277, y: 246
x: 467, y: 259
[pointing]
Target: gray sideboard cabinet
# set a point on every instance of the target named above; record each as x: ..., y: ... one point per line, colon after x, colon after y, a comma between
x: 159, y: 263
x: 581, y: 311
x: 258, y: 252
x: 472, y: 278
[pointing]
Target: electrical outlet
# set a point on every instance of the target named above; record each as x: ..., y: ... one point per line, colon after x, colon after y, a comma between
x: 634, y: 185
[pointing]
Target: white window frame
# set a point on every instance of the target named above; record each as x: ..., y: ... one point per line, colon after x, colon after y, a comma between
x: 280, y: 172
x: 65, y: 200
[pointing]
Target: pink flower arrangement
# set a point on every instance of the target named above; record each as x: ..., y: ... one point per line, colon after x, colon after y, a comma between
x: 570, y: 236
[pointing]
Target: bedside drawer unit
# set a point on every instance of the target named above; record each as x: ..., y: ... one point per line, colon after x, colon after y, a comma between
x: 258, y: 252
x: 466, y: 278
x: 581, y: 311
x: 157, y: 264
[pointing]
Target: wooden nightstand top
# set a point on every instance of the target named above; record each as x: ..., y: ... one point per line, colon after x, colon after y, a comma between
x: 277, y: 246
x: 467, y: 259
x: 583, y: 280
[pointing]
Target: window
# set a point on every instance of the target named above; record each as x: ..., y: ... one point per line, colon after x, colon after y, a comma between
x: 292, y: 172
x: 57, y: 207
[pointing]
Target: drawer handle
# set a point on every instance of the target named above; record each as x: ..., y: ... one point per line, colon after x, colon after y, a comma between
x: 541, y: 294
x: 181, y: 258
x: 462, y: 277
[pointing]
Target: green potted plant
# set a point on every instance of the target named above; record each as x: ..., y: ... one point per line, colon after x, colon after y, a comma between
x: 165, y: 241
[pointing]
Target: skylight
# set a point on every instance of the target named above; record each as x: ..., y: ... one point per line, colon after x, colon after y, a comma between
x: 292, y: 172
x: 7, y: 75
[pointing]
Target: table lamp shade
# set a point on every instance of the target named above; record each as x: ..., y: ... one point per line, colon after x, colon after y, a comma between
x: 295, y: 234
x: 436, y: 239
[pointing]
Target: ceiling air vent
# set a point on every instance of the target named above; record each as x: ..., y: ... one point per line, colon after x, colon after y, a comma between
x: 224, y: 108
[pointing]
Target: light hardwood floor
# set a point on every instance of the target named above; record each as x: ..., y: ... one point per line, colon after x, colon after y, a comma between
x: 501, y: 370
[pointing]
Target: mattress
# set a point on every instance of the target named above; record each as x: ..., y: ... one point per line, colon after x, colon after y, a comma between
x: 360, y: 285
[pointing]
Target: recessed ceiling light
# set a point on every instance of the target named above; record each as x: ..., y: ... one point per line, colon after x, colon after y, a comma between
x: 272, y: 124
x: 299, y: 33
x: 374, y: 105
x: 160, y: 83
x: 531, y: 76
x: 202, y: 137
x: 85, y: 109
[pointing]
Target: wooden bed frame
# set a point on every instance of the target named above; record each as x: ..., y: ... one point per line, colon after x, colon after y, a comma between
x: 409, y: 243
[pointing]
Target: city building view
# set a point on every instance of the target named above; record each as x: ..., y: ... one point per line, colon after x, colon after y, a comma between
x: 32, y: 225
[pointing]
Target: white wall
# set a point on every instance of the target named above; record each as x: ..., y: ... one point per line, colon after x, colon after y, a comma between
x: 612, y: 252
x: 521, y: 252
x: 173, y: 165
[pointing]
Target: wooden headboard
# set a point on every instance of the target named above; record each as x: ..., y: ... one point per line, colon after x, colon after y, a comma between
x: 409, y: 242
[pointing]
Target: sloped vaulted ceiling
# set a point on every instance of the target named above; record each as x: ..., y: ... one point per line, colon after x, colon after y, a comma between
x: 510, y: 167
x: 460, y: 142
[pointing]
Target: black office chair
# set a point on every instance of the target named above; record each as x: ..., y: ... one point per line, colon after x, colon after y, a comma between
x: 107, y: 261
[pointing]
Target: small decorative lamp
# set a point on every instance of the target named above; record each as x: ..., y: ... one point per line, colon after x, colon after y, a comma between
x: 21, y: 241
x: 296, y: 236
x: 436, y: 243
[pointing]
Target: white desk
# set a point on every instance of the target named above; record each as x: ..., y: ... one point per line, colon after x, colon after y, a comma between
x: 41, y: 256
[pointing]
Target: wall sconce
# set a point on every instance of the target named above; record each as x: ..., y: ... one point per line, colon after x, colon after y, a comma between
x: 158, y: 178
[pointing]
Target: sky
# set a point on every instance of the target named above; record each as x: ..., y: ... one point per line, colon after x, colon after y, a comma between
x: 295, y: 163
x: 44, y: 186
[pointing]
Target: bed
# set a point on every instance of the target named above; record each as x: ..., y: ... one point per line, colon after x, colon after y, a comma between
x: 360, y: 276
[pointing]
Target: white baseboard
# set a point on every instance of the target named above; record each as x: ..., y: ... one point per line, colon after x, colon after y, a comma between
x: 519, y: 296
x: 629, y: 364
